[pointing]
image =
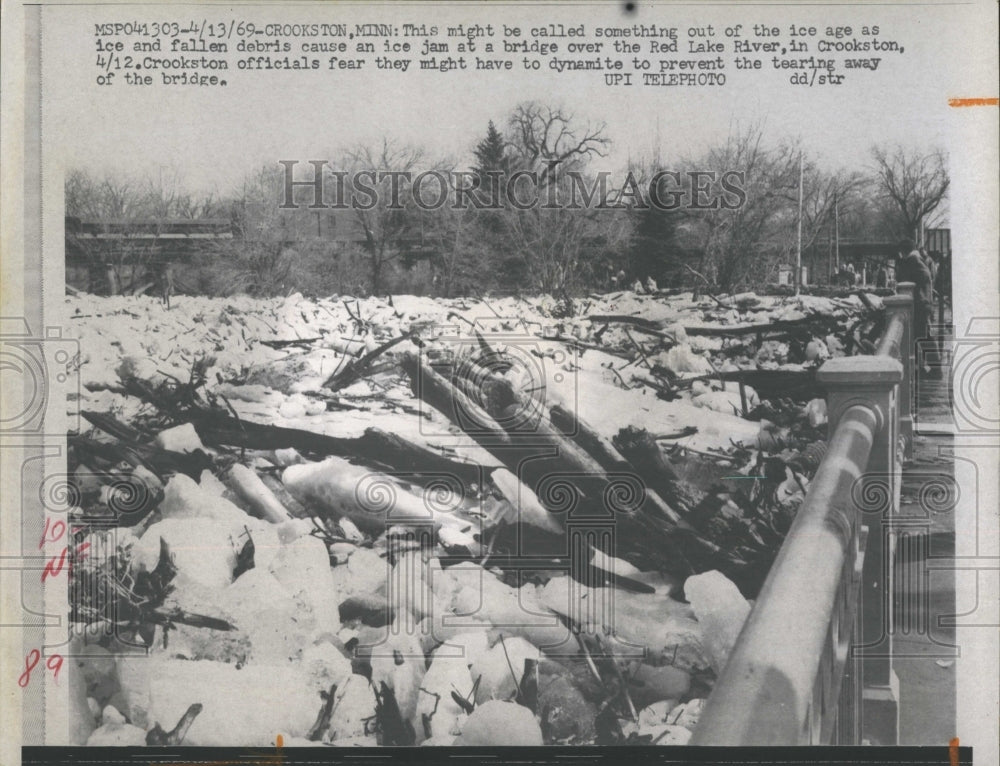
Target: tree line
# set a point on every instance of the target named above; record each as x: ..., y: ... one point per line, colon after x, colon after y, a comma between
x: 623, y: 232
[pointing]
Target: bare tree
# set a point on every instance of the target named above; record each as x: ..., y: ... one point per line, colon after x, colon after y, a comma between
x: 549, y: 247
x: 915, y: 184
x: 380, y: 181
x: 822, y: 191
x: 258, y: 259
x: 454, y: 233
x: 741, y: 242
x: 167, y: 198
x: 550, y: 141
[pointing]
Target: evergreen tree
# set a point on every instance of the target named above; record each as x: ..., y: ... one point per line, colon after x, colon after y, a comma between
x: 491, y: 158
x: 491, y: 152
x: 492, y: 164
x: 654, y: 248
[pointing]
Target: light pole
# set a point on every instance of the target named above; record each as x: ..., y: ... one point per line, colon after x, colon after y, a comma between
x: 798, y: 254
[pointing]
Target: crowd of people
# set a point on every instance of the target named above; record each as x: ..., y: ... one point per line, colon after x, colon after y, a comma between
x: 885, y: 274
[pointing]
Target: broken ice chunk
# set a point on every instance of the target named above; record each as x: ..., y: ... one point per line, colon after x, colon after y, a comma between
x: 182, y: 438
x: 721, y: 610
x: 497, y: 723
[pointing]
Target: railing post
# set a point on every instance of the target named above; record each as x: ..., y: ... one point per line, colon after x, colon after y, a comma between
x: 902, y: 304
x: 873, y: 382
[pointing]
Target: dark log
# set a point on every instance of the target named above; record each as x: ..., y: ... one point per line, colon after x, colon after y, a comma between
x: 782, y: 325
x: 768, y: 383
x: 295, y: 508
x: 587, y: 451
x: 635, y: 321
x: 490, y: 358
x: 114, y: 427
x: 522, y: 437
x: 641, y: 324
x: 607, y: 455
x: 157, y: 737
x: 322, y: 724
x: 375, y: 446
x: 279, y: 344
x: 165, y: 616
x: 600, y: 448
x: 639, y: 447
x: 580, y: 346
x: 157, y: 461
x: 359, y: 368
x: 434, y: 389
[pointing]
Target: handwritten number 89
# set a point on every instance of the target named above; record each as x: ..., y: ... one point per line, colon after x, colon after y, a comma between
x: 53, y: 663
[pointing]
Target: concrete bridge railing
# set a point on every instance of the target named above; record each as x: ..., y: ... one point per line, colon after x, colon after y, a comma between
x: 813, y: 664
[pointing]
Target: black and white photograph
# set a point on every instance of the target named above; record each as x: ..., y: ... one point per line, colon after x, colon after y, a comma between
x: 571, y: 380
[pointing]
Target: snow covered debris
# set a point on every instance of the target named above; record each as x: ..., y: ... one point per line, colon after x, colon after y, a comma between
x: 321, y: 537
x: 721, y: 611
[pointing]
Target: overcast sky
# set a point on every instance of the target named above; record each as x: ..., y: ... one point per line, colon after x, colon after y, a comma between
x: 212, y: 137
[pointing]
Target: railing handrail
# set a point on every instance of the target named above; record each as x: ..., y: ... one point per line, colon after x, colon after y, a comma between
x: 891, y: 342
x: 764, y: 692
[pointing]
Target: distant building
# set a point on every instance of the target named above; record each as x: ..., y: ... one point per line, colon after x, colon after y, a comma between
x: 101, y: 253
x: 868, y: 255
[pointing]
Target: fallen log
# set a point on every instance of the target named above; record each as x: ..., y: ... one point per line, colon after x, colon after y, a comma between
x: 167, y: 617
x: 641, y: 324
x: 599, y: 447
x: 768, y: 383
x: 604, y: 451
x: 641, y: 450
x: 279, y: 344
x: 490, y: 358
x: 635, y: 321
x: 359, y: 368
x: 566, y: 433
x: 581, y: 346
x: 566, y: 479
x: 771, y: 328
x: 114, y: 427
x: 249, y: 488
x: 682, y: 433
x: 157, y: 461
x: 529, y: 508
x: 434, y: 389
x: 375, y: 446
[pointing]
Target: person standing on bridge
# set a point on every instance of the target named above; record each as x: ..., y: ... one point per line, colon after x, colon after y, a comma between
x: 912, y: 268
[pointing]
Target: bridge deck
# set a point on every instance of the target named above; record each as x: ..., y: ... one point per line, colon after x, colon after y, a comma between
x: 925, y: 657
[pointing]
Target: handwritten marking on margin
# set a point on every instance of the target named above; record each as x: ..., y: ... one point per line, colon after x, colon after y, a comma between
x: 973, y: 101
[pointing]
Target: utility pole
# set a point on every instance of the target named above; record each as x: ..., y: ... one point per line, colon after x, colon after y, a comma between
x: 836, y: 231
x: 798, y: 254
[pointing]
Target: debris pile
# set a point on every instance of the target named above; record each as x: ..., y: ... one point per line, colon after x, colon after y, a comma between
x: 417, y: 521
